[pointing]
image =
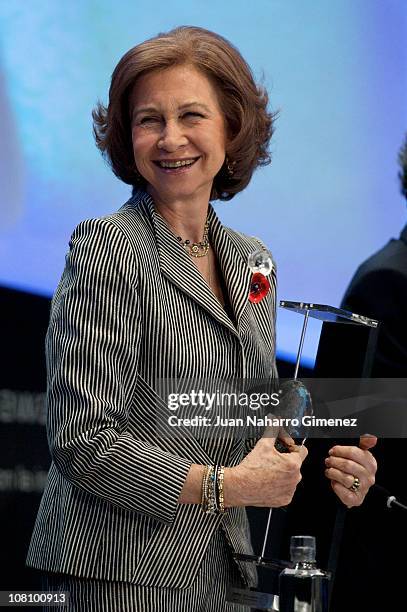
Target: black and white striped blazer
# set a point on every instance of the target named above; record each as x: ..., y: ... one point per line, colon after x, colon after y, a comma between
x: 131, y: 308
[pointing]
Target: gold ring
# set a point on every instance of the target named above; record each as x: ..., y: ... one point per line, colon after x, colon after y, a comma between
x: 356, y: 484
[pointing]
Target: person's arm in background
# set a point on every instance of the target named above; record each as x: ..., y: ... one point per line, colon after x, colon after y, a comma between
x: 382, y: 294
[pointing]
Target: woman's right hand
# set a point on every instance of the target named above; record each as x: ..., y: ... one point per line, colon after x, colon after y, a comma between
x: 265, y: 477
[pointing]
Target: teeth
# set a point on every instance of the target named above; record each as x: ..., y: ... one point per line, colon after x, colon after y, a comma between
x: 176, y: 164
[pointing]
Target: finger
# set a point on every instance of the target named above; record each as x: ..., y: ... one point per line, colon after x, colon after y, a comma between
x: 284, y: 434
x: 347, y: 480
x: 352, y: 455
x: 365, y: 472
x: 345, y: 471
x: 271, y: 431
x: 302, y: 450
x: 291, y: 446
x: 287, y: 440
x: 349, y: 498
x: 347, y: 466
x: 367, y: 441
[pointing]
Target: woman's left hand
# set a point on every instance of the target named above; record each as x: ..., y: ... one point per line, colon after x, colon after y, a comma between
x: 351, y: 470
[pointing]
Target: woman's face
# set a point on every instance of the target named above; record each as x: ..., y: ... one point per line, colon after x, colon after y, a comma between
x: 178, y: 133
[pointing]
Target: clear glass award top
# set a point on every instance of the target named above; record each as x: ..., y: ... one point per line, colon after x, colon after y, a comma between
x: 324, y: 312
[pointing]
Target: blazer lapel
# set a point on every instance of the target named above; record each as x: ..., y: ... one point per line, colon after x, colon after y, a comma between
x: 232, y: 258
x: 178, y: 267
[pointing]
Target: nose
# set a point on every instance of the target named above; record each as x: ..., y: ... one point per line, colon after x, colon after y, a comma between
x: 172, y: 137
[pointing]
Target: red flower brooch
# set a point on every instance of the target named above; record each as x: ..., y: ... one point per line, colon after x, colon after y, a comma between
x: 259, y: 287
x: 261, y: 264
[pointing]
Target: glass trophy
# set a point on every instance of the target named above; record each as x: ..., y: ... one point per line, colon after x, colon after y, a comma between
x: 296, y: 402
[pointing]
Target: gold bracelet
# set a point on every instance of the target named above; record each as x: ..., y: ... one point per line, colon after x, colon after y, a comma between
x: 212, y: 498
x: 220, y: 479
x: 211, y: 507
x: 204, y: 498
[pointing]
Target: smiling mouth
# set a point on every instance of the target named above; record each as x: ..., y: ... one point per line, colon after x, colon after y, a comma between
x: 176, y: 163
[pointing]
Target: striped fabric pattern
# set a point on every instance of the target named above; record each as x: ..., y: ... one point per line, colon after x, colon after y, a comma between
x: 207, y: 593
x: 131, y: 308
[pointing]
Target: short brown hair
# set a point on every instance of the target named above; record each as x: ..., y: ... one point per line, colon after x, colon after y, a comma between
x: 244, y: 104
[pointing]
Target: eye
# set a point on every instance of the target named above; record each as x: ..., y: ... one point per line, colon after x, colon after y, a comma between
x: 191, y: 114
x: 148, y: 120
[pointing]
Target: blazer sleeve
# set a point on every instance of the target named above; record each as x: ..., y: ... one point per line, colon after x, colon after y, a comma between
x: 92, y: 348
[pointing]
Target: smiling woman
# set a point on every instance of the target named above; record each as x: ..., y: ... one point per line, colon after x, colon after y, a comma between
x: 177, y: 151
x: 133, y: 520
x: 187, y: 124
x: 224, y: 81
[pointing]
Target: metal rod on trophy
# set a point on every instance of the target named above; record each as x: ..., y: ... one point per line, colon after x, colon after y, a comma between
x: 297, y: 366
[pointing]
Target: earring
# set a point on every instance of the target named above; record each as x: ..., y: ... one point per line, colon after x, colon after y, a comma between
x: 230, y: 166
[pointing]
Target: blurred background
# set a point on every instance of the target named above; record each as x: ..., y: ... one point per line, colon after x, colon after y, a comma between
x: 337, y: 73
